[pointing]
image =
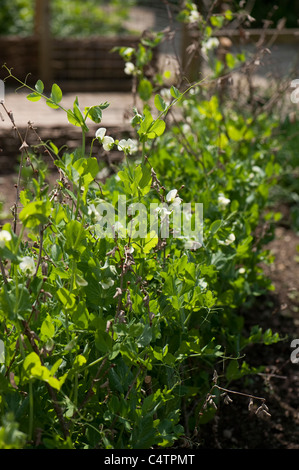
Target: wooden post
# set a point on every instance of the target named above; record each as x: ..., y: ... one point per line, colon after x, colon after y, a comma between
x: 191, y: 67
x: 42, y: 29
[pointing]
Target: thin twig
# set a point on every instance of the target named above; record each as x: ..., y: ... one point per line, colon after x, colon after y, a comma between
x: 3, y: 272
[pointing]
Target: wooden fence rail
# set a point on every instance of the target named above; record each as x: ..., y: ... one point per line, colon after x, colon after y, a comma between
x: 76, y: 64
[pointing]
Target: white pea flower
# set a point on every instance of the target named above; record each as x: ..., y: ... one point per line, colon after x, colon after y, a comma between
x: 194, y: 15
x: 162, y: 211
x: 92, y: 211
x: 242, y: 270
x: 80, y: 281
x: 192, y: 245
x: 5, y: 236
x: 176, y: 202
x: 106, y: 140
x: 211, y: 43
x: 100, y: 133
x: 128, y: 52
x: 223, y: 201
x: 185, y: 128
x: 129, y: 145
x: 108, y: 143
x: 107, y: 284
x: 129, y: 68
x: 27, y: 265
x: 172, y: 197
x: 118, y: 226
x: 230, y: 239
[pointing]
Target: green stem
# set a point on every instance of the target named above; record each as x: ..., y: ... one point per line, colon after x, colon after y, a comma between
x: 19, y: 239
x: 143, y: 153
x: 3, y: 272
x: 78, y: 198
x: 30, y: 88
x: 91, y: 146
x: 83, y: 143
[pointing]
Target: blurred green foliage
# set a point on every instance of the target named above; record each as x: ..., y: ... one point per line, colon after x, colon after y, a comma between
x: 69, y: 18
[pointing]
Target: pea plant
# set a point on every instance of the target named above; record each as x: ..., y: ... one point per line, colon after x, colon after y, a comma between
x: 120, y: 330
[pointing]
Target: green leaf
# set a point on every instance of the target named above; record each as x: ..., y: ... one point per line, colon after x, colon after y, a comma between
x: 39, y: 86
x: 103, y: 341
x: 72, y: 118
x: 87, y: 166
x: 34, y: 369
x: 215, y: 226
x: 47, y: 329
x: 145, y: 89
x: 209, y: 299
x: 234, y: 133
x: 156, y: 129
x: 145, y: 337
x: 146, y: 180
x: 230, y: 60
x: 217, y: 21
x: 67, y: 299
x: 30, y: 361
x: 79, y: 362
x: 144, y: 434
x: 34, y: 96
x: 51, y: 104
x: 56, y: 93
x: 78, y: 115
x: 104, y: 105
x: 35, y: 213
x: 151, y: 240
x: 228, y: 15
x: 74, y: 234
x: 175, y: 93
x: 94, y: 113
x: 15, y: 303
x: 160, y: 103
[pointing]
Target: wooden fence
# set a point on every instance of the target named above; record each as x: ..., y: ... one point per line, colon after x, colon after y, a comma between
x: 75, y: 64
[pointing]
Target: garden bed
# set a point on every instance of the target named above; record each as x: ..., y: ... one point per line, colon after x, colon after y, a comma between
x: 160, y: 341
x: 234, y: 427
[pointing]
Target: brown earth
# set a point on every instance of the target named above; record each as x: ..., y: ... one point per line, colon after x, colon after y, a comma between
x: 234, y: 427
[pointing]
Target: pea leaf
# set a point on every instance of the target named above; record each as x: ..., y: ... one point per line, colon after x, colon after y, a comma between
x: 145, y: 89
x: 36, y: 96
x: 160, y: 103
x: 39, y: 86
x: 175, y: 93
x: 56, y: 93
x: 33, y: 97
x: 156, y: 129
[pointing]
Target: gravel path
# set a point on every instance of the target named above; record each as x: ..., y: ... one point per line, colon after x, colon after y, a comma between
x: 42, y: 115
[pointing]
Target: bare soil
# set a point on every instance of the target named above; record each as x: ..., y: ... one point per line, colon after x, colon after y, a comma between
x: 234, y: 427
